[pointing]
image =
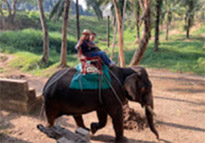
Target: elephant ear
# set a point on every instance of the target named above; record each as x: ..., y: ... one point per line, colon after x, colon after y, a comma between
x: 130, y: 85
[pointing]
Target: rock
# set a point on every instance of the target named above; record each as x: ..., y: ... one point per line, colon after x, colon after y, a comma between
x: 83, y: 132
x: 64, y: 140
x: 63, y: 135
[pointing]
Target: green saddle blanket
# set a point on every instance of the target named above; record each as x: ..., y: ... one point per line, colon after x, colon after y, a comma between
x: 90, y: 80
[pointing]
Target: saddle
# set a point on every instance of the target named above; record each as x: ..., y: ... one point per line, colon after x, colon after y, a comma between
x: 90, y: 64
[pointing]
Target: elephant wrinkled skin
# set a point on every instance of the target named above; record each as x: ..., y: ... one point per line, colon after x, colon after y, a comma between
x: 131, y: 83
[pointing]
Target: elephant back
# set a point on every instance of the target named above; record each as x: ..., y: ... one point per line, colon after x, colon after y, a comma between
x: 53, y: 80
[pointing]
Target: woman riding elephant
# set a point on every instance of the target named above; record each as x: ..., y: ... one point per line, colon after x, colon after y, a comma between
x: 128, y: 83
x: 87, y: 50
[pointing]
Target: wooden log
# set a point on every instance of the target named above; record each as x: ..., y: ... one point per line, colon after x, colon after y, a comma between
x: 16, y: 95
x: 63, y: 135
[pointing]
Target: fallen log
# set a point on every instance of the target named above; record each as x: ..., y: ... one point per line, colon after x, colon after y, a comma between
x: 62, y: 135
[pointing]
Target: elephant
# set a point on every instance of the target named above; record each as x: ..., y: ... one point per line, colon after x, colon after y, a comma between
x: 129, y: 84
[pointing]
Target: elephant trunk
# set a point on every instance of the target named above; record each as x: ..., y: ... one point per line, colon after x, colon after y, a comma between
x: 149, y: 116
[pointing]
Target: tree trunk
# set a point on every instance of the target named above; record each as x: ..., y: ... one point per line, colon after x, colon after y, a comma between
x: 158, y: 11
x: 108, y: 31
x: 139, y: 53
x: 45, y: 57
x: 14, y: 10
x: 123, y: 16
x: 120, y: 34
x: 77, y: 19
x: 190, y: 17
x: 168, y: 23
x: 188, y: 27
x: 138, y: 20
x: 114, y: 38
x: 63, y: 62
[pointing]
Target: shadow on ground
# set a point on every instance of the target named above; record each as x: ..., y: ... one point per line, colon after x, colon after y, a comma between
x: 181, y: 100
x: 6, y: 138
x: 174, y: 125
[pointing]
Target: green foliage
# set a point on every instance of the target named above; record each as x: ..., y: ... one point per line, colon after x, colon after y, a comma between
x: 178, y: 55
x: 96, y: 6
x: 32, y: 40
x: 57, y: 10
x: 28, y: 40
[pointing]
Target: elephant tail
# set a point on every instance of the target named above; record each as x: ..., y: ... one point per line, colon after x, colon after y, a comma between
x: 42, y: 112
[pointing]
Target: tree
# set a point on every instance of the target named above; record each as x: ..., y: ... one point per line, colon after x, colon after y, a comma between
x: 63, y: 60
x: 146, y: 18
x: 11, y: 11
x: 123, y: 6
x: 108, y: 31
x: 191, y: 7
x: 120, y: 33
x: 45, y: 57
x: 1, y: 11
x: 158, y: 12
x: 123, y: 14
x: 77, y: 20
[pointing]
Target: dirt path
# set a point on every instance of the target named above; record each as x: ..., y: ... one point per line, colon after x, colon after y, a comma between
x: 179, y: 104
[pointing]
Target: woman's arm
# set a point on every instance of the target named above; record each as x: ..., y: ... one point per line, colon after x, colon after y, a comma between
x: 78, y: 44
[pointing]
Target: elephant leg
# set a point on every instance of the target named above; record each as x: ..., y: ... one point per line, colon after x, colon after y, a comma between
x: 51, y: 115
x: 79, y: 121
x: 102, y: 117
x: 117, y: 120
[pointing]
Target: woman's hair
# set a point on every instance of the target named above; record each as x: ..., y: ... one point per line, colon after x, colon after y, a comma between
x: 82, y: 38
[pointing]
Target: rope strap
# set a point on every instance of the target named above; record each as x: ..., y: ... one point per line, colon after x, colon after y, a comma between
x: 113, y: 90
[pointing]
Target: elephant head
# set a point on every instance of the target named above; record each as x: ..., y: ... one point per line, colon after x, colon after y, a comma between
x: 139, y: 89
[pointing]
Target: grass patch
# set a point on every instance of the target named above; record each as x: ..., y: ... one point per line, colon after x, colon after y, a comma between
x: 2, y: 70
x: 25, y: 61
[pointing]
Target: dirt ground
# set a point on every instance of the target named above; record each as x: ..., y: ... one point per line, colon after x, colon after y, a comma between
x: 179, y: 103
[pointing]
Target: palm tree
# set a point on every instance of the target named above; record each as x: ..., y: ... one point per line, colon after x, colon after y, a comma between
x: 57, y: 10
x: 171, y: 6
x: 189, y: 18
x: 120, y: 33
x: 146, y: 17
x: 158, y: 12
x: 45, y: 57
x: 62, y: 7
x: 63, y: 60
x: 96, y: 5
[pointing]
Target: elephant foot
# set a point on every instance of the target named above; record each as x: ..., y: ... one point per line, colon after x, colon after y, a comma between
x: 121, y: 140
x: 94, y: 127
x: 49, y: 125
